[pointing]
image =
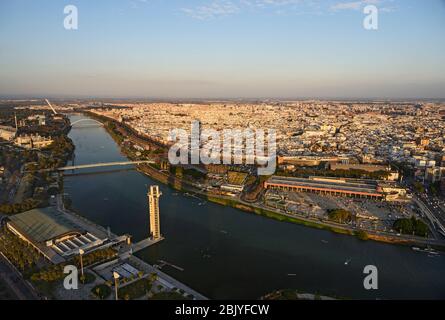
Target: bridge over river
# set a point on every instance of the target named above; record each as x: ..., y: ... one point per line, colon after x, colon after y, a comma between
x: 97, y: 165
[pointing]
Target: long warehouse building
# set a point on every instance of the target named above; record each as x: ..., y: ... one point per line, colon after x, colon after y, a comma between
x: 328, y: 186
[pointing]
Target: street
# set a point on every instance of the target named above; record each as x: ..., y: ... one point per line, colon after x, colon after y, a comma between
x: 20, y: 288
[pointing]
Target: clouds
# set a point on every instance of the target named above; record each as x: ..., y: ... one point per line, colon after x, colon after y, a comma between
x: 212, y: 9
x: 355, y: 5
x: 220, y: 8
x: 358, y: 5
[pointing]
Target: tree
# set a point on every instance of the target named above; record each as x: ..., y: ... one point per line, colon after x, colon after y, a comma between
x: 153, y: 277
x: 340, y: 215
x: 435, y: 188
x: 411, y: 226
x: 101, y: 291
x: 419, y: 187
x: 362, y: 235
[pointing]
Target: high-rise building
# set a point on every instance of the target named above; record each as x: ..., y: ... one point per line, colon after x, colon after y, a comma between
x: 153, y: 203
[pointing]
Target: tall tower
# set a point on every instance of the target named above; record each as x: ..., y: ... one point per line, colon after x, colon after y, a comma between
x: 16, y: 124
x: 153, y: 203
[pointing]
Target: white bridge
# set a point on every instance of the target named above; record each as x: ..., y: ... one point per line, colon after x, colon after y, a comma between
x: 98, y: 165
x: 87, y: 120
x: 103, y: 164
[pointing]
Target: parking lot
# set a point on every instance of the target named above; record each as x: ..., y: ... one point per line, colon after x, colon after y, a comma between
x: 369, y: 214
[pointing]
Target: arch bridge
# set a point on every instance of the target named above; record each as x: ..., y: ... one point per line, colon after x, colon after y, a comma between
x: 86, y: 120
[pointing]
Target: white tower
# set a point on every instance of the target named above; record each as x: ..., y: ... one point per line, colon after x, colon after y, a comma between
x: 16, y: 124
x: 153, y: 203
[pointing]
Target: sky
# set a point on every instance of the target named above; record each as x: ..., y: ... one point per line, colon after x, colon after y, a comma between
x: 222, y: 49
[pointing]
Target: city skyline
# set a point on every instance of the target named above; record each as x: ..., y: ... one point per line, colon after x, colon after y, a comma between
x: 223, y: 49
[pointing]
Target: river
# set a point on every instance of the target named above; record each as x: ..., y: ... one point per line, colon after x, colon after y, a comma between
x: 230, y: 254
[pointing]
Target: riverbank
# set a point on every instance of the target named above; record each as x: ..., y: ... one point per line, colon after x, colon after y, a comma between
x: 182, y: 185
x: 228, y: 254
x: 280, y: 216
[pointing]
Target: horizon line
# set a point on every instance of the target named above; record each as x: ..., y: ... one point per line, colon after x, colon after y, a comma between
x: 212, y: 99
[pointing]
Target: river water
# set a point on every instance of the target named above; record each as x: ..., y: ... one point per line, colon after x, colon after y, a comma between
x: 230, y: 254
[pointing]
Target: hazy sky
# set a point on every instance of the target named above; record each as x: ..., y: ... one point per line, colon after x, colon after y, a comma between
x: 223, y: 48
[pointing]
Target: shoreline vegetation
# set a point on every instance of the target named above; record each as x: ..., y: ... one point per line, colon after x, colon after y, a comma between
x: 292, y: 294
x: 121, y: 132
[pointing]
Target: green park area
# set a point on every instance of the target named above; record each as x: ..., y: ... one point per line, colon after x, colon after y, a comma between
x: 169, y: 295
x: 101, y: 291
x: 339, y: 215
x: 411, y: 226
x: 135, y: 289
x: 46, y: 278
x: 20, y: 253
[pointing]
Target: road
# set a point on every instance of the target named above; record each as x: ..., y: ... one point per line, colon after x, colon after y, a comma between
x: 434, y: 214
x: 19, y: 286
